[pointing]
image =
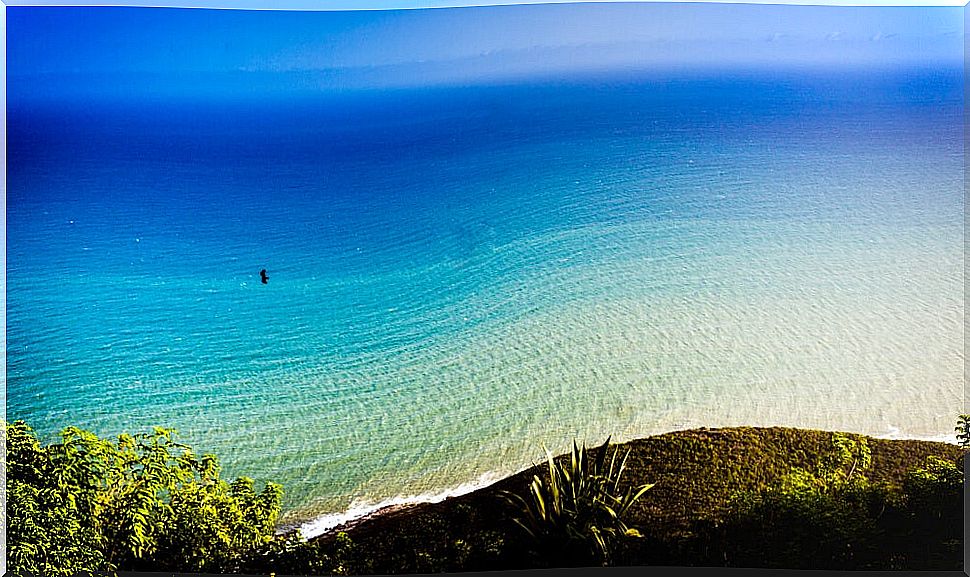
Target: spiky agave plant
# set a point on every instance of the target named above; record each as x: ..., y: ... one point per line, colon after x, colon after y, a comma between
x: 580, y: 507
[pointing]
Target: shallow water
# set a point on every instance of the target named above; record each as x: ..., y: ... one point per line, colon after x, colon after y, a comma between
x: 460, y: 275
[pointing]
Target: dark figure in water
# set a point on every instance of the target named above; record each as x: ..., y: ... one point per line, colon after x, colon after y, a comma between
x: 262, y: 276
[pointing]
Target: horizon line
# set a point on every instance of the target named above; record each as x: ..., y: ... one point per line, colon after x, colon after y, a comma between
x: 389, y: 5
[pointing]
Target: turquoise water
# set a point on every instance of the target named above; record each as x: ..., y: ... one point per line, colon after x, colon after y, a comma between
x: 460, y: 275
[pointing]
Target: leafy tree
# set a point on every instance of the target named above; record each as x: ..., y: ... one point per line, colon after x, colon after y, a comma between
x: 579, y: 511
x: 840, y: 468
x: 928, y: 527
x: 823, y: 519
x: 45, y: 532
x: 934, y: 487
x: 291, y: 554
x: 833, y: 517
x: 142, y: 502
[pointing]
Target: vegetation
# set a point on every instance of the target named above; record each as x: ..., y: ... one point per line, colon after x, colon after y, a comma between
x: 141, y: 502
x: 754, y: 497
x: 824, y: 518
x: 291, y: 554
x: 578, y: 512
x: 834, y: 517
x: 928, y: 528
x: 963, y: 430
x: 690, y: 516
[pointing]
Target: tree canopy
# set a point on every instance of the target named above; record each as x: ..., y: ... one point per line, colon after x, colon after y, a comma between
x: 137, y: 502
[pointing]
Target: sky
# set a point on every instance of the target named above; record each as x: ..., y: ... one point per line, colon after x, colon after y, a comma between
x: 408, y: 4
x: 68, y: 51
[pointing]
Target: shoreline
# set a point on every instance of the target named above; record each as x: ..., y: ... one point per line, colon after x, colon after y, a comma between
x: 360, y: 512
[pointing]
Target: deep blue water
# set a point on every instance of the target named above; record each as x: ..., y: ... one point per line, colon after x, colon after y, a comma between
x: 459, y: 274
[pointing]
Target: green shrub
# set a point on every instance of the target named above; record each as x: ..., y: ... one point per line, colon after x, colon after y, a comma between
x: 578, y: 513
x: 824, y: 518
x: 928, y: 528
x: 141, y: 502
x: 934, y: 487
x: 833, y: 517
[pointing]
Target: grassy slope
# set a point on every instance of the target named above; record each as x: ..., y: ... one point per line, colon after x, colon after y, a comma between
x: 695, y: 472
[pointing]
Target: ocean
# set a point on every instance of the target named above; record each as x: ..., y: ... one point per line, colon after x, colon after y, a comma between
x: 460, y: 275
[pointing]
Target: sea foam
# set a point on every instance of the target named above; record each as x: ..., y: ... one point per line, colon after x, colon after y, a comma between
x: 363, y: 508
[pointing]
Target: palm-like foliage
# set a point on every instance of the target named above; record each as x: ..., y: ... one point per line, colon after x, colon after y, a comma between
x: 580, y: 509
x: 963, y: 430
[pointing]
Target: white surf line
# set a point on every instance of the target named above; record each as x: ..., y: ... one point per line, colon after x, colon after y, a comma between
x: 362, y: 508
x: 895, y: 434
